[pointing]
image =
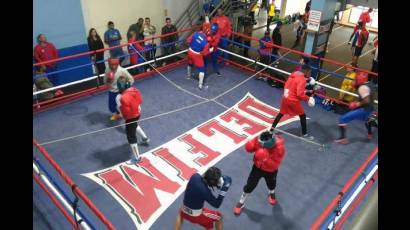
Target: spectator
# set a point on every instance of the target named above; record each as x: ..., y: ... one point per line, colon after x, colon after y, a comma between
x: 248, y: 29
x: 299, y: 26
x: 277, y: 40
x: 41, y: 82
x: 347, y: 85
x: 271, y: 14
x: 307, y: 7
x: 140, y: 34
x: 224, y: 30
x: 254, y: 7
x: 136, y: 50
x: 265, y: 50
x: 375, y: 64
x: 95, y: 43
x: 359, y: 41
x: 133, y: 27
x: 46, y: 51
x: 364, y: 18
x: 149, y: 31
x: 112, y: 37
x: 170, y: 48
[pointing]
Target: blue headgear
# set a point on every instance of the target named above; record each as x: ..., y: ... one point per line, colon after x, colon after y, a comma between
x: 214, y: 27
x: 123, y: 84
x: 267, y: 139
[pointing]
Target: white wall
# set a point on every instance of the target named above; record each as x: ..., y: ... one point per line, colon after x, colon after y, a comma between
x: 294, y: 6
x: 123, y: 13
x: 175, y: 8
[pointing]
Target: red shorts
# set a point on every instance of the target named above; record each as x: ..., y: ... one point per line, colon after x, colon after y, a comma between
x: 291, y: 108
x: 206, y: 219
x: 195, y: 59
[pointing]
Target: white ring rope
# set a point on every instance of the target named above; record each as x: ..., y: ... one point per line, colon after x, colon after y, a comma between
x: 101, y: 75
x: 205, y: 100
x: 288, y: 73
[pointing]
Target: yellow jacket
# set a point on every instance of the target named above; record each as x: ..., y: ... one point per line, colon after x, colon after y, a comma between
x: 255, y: 7
x: 347, y: 86
x: 271, y: 12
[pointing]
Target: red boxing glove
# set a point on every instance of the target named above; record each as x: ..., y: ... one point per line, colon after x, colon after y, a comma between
x: 250, y: 146
x: 110, y: 76
x: 354, y: 105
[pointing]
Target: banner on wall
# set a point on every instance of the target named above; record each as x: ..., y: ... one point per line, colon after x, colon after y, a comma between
x: 147, y: 189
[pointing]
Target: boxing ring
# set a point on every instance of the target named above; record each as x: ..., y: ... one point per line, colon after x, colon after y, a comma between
x: 79, y: 154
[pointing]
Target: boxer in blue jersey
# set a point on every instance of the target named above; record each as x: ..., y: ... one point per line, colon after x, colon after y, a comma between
x: 198, y: 48
x: 198, y: 191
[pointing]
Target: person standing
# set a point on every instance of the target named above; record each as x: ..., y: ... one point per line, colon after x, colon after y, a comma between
x: 269, y: 152
x: 111, y: 76
x: 129, y: 101
x: 149, y: 31
x: 136, y: 51
x: 46, y: 51
x: 248, y: 30
x: 169, y: 41
x: 112, y: 37
x: 271, y: 14
x: 359, y: 41
x: 364, y: 19
x: 95, y: 43
x: 224, y: 30
x: 375, y: 63
x: 294, y: 93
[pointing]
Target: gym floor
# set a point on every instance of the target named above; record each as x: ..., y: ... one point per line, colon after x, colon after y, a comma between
x: 309, y: 177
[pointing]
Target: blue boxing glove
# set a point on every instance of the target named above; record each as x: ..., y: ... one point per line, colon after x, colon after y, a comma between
x: 227, y: 182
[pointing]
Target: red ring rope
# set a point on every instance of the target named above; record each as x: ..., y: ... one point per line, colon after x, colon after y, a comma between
x: 76, y: 189
x: 55, y: 201
x: 349, y: 183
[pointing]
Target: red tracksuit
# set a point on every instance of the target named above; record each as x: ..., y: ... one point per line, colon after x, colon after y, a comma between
x: 294, y: 93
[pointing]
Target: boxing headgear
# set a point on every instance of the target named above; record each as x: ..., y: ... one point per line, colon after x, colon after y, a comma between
x: 123, y: 84
x: 113, y: 61
x: 206, y: 28
x: 297, y: 74
x: 212, y: 176
x: 214, y: 28
x: 360, y: 79
x: 267, y: 139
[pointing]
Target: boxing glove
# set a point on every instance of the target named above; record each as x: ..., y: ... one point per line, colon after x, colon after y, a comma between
x: 227, y: 182
x: 354, y: 105
x: 311, y: 102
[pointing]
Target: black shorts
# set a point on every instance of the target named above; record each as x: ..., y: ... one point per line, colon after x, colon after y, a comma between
x: 358, y: 51
x: 131, y: 130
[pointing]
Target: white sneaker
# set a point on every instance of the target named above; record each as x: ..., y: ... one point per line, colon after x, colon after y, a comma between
x: 200, y: 86
x: 133, y: 161
x: 308, y: 137
x: 144, y: 141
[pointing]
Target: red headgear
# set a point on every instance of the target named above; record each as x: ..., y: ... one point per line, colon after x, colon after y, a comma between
x: 360, y: 79
x: 206, y: 28
x: 297, y: 74
x: 113, y: 61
